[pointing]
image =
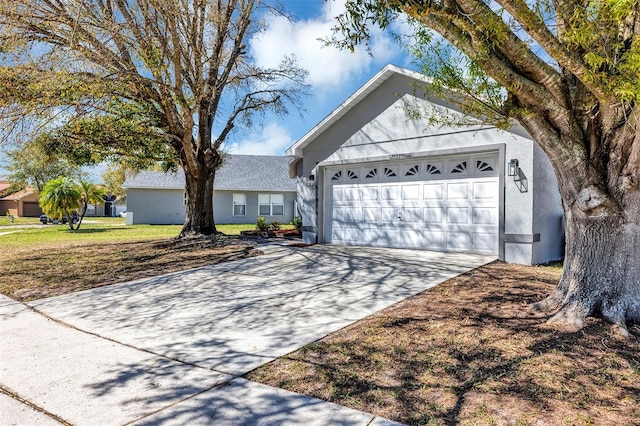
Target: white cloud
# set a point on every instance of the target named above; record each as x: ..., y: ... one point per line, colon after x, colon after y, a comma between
x: 328, y: 67
x: 272, y: 140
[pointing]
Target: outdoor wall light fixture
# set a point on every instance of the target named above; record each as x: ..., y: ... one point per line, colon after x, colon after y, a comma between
x: 311, y: 181
x: 512, y: 168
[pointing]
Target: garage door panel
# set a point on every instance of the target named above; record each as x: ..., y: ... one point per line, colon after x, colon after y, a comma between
x: 347, y: 234
x: 370, y: 193
x: 433, y: 191
x: 390, y: 193
x: 347, y: 215
x: 389, y: 214
x: 369, y: 236
x: 370, y: 214
x: 484, y: 215
x: 388, y: 237
x: 485, y: 190
x: 433, y: 239
x: 352, y: 194
x: 456, y: 210
x: 460, y: 241
x: 458, y: 191
x: 458, y: 215
x: 409, y: 238
x: 485, y: 242
x: 412, y: 215
x: 410, y: 192
x: 433, y: 215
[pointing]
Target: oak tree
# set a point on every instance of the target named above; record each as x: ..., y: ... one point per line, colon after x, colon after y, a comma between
x: 141, y: 78
x: 569, y: 72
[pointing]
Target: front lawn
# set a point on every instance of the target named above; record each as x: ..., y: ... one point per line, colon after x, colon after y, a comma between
x: 461, y: 353
x: 46, y: 260
x: 17, y: 221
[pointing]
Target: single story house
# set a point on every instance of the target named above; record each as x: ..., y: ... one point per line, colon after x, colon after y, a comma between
x: 23, y: 203
x: 246, y: 186
x: 370, y: 174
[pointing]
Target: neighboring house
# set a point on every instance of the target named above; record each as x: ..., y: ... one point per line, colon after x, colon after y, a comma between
x: 246, y: 186
x: 20, y: 204
x: 371, y: 175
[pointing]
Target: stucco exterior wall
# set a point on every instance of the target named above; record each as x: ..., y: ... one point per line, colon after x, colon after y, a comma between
x: 156, y: 206
x: 223, y: 207
x: 548, y: 215
x: 379, y: 128
x: 166, y: 207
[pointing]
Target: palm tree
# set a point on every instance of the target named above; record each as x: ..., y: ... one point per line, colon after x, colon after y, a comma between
x: 90, y: 194
x: 60, y: 197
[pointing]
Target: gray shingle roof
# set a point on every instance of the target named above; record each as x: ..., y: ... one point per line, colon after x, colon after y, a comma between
x: 238, y: 173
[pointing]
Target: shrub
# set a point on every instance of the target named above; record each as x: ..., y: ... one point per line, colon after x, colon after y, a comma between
x: 275, y: 226
x: 297, y: 222
x: 262, y: 225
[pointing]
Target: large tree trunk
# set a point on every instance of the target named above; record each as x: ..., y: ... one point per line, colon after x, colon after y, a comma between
x: 199, y: 202
x: 601, y: 273
x: 601, y: 199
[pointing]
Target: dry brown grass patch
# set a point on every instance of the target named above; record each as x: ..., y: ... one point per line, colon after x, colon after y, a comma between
x: 462, y: 353
x: 29, y: 274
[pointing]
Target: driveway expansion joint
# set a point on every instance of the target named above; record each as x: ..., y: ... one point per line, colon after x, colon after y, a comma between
x: 15, y: 396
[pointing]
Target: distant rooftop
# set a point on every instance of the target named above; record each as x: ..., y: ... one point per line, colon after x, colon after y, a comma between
x: 5, y: 194
x: 238, y: 173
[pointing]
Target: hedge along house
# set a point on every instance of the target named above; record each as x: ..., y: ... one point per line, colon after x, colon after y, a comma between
x: 370, y: 175
x: 246, y: 186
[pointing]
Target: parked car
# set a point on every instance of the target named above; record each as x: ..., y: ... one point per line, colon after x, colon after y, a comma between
x: 44, y: 219
x: 74, y: 218
x: 122, y: 214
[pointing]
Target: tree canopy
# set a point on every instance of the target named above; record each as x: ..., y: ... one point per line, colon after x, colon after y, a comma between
x: 156, y: 80
x: 32, y: 165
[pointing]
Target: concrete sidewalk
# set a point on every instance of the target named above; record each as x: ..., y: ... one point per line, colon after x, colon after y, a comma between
x: 170, y: 349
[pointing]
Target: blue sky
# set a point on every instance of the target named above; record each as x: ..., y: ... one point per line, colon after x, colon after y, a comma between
x: 333, y: 74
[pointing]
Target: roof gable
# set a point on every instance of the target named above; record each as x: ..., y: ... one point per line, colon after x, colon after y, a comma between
x: 238, y: 173
x: 359, y: 96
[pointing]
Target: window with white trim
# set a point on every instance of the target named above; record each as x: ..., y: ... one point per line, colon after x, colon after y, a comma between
x: 271, y: 204
x: 239, y: 204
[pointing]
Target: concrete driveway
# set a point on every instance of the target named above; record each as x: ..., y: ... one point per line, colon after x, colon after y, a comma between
x: 170, y: 349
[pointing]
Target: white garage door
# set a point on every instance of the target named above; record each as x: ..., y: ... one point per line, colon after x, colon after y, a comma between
x: 444, y: 204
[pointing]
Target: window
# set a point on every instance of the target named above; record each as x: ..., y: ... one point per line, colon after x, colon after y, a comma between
x: 239, y: 205
x: 413, y: 171
x: 271, y: 204
x: 389, y: 172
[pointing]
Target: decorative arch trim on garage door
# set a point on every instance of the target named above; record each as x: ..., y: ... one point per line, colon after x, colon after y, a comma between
x: 437, y: 203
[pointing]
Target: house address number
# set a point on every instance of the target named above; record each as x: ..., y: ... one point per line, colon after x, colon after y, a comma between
x: 396, y: 156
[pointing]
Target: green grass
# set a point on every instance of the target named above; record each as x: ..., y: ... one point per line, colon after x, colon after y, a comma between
x: 4, y: 221
x: 93, y: 232
x: 98, y: 230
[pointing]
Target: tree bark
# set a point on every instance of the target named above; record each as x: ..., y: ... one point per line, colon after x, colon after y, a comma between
x: 199, y: 202
x: 601, y: 275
